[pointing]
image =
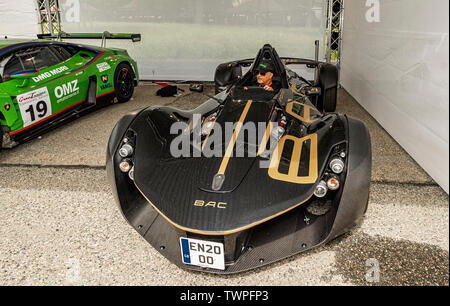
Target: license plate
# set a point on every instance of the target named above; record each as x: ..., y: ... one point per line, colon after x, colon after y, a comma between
x: 202, y: 253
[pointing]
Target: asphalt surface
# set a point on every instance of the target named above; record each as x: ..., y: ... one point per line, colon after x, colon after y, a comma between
x: 60, y: 226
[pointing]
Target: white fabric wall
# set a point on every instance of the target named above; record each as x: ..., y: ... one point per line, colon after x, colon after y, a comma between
x: 187, y: 39
x: 19, y: 19
x: 398, y: 70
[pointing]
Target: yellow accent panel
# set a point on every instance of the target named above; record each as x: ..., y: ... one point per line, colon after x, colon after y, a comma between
x: 294, y: 90
x: 306, y: 111
x: 229, y: 151
x: 292, y: 176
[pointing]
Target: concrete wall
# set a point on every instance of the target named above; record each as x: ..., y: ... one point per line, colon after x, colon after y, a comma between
x: 19, y: 19
x: 395, y: 63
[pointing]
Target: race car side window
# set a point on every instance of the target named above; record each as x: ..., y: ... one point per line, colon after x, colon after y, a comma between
x: 43, y: 58
x: 25, y: 60
x: 63, y: 52
x: 17, y: 63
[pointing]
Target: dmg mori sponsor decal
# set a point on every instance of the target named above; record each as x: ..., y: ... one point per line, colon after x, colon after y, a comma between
x: 214, y: 204
x: 67, y: 91
x: 50, y: 73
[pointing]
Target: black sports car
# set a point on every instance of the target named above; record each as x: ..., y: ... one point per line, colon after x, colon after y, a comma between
x: 211, y: 194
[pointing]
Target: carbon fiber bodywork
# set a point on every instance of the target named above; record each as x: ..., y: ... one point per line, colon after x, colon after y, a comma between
x: 265, y: 217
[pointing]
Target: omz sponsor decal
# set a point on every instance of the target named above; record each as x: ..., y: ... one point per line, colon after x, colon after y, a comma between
x: 50, y: 73
x: 67, y: 91
x: 34, y: 106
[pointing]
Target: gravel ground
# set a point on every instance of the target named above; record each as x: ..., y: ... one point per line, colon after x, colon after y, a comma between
x: 60, y: 225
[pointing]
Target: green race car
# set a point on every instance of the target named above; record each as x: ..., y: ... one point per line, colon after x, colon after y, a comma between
x: 44, y: 83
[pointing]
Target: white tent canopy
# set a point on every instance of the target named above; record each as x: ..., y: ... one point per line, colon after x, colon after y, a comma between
x: 395, y: 62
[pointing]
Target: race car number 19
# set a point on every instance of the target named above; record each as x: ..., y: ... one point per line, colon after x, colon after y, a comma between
x: 34, y: 106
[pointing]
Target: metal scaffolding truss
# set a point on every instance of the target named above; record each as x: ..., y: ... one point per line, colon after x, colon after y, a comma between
x: 49, y: 18
x: 334, y: 30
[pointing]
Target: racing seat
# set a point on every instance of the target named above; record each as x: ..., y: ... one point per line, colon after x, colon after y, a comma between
x: 267, y: 54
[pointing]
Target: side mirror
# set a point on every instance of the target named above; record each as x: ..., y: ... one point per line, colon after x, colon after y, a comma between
x: 313, y: 91
x: 227, y: 73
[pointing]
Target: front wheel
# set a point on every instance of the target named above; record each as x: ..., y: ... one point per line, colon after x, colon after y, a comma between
x: 124, y: 82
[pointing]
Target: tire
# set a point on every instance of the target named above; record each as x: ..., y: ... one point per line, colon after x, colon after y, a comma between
x: 330, y: 100
x: 328, y: 82
x: 124, y: 82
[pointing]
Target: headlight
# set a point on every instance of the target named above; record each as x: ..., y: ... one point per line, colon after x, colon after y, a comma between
x: 126, y: 150
x: 321, y: 189
x: 337, y: 165
x: 131, y: 173
x: 125, y: 165
x: 333, y: 183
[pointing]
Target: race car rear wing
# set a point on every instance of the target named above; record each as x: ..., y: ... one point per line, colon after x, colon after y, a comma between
x: 103, y: 36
